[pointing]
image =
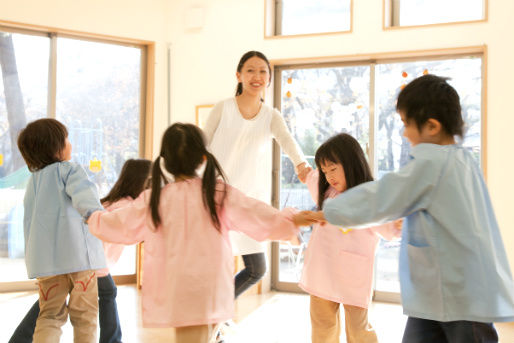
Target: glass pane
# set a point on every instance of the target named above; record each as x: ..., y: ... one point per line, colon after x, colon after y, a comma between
x: 23, y: 98
x: 307, y: 16
x: 98, y: 99
x: 392, y: 149
x: 316, y: 104
x: 422, y: 12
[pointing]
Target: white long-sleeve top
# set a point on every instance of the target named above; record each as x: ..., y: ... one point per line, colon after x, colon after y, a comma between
x: 243, y: 148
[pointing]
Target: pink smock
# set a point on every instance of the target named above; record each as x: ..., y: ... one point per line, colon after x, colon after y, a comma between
x: 188, y: 264
x: 338, y: 263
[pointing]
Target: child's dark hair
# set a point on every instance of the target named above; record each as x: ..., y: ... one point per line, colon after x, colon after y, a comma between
x: 41, y: 143
x: 246, y: 57
x: 344, y: 149
x: 430, y: 96
x: 183, y: 150
x: 131, y: 182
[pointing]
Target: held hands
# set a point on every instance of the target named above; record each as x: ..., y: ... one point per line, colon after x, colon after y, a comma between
x: 303, y: 170
x: 307, y: 218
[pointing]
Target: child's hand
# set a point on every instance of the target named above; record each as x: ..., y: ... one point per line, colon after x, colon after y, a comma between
x: 398, y: 224
x: 307, y: 218
x: 302, y: 219
x: 303, y: 170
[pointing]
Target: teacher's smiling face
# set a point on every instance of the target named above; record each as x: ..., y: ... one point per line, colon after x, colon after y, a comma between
x: 255, y: 75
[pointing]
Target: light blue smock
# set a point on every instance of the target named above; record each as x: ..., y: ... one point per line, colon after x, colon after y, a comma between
x: 57, y: 240
x: 453, y: 264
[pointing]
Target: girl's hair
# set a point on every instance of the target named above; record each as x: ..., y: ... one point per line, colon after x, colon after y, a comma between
x: 41, y: 143
x: 183, y: 150
x: 131, y: 182
x: 345, y: 150
x: 242, y: 61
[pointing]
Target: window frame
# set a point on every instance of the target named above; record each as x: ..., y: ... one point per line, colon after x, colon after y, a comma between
x: 391, y: 14
x: 372, y: 60
x: 272, y: 23
x: 146, y: 111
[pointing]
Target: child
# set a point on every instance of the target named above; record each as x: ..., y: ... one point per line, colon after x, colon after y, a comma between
x: 188, y: 282
x: 338, y: 266
x: 454, y: 275
x: 59, y: 250
x: 131, y: 182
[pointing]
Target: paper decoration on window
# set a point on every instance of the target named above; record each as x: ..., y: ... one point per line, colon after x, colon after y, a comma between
x: 402, y: 86
x: 95, y: 165
x: 1, y: 159
x: 290, y: 80
x: 404, y: 74
x: 425, y: 72
x: 288, y: 94
x: 359, y: 107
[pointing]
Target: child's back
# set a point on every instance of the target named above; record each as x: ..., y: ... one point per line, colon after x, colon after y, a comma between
x: 57, y: 239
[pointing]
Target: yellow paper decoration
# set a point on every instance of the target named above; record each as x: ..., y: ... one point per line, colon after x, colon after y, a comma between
x: 1, y: 159
x: 288, y: 94
x: 343, y: 230
x: 95, y: 165
x: 359, y: 107
x: 425, y: 72
x: 290, y: 80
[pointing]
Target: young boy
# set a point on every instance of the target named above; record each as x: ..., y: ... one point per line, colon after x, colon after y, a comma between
x: 59, y: 250
x: 454, y: 274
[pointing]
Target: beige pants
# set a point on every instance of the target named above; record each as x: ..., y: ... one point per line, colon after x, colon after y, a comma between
x: 195, y: 334
x: 82, y: 307
x: 326, y: 325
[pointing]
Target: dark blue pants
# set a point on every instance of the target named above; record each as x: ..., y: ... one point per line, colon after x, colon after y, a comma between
x: 255, y: 268
x: 430, y: 331
x: 110, y: 329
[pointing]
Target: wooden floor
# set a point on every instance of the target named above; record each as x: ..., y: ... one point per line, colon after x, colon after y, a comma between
x: 269, y: 318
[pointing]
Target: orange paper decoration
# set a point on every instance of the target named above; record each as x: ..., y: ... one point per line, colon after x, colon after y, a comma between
x: 95, y: 165
x: 425, y: 72
x: 288, y: 94
x: 402, y: 87
x: 359, y: 107
x: 404, y: 74
x: 290, y: 80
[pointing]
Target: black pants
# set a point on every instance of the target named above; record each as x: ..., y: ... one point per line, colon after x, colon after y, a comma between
x: 430, y: 331
x: 255, y: 268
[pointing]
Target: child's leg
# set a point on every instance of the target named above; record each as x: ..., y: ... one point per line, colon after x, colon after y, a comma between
x: 325, y: 320
x: 255, y: 268
x: 423, y: 331
x: 469, y: 332
x: 53, y: 291
x: 110, y: 329
x: 25, y: 331
x: 194, y: 334
x: 358, y: 328
x: 83, y: 306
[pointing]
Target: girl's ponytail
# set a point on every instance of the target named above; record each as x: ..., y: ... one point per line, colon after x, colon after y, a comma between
x: 157, y: 176
x: 209, y: 184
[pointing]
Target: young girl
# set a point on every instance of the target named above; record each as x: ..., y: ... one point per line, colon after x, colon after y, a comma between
x: 239, y: 133
x: 188, y: 263
x: 131, y: 182
x: 59, y: 250
x: 338, y: 266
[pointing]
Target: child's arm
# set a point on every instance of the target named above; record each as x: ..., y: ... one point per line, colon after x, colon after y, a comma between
x: 83, y: 193
x: 126, y: 225
x: 394, y: 196
x: 256, y: 218
x: 390, y: 230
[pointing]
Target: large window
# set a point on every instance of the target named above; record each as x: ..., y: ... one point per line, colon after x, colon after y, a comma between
x: 294, y: 17
x: 320, y: 101
x: 94, y: 88
x: 426, y: 12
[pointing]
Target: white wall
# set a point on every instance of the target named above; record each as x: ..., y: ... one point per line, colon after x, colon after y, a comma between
x: 204, y: 62
x: 144, y: 20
